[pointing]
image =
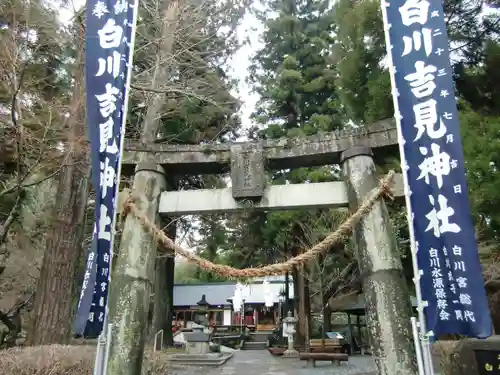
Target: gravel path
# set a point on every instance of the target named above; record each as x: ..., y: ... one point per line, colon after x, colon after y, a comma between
x: 260, y: 362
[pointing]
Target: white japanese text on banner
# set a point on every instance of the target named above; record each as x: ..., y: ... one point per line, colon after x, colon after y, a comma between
x: 451, y: 276
x: 109, y: 32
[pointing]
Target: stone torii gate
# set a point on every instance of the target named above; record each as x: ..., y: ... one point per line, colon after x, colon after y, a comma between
x: 387, y: 303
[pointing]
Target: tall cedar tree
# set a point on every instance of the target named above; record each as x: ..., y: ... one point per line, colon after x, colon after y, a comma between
x: 294, y: 76
x: 54, y: 301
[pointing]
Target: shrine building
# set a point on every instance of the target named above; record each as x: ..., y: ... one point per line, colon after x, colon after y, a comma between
x: 261, y: 302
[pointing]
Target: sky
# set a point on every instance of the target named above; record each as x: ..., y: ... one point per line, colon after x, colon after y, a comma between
x: 251, y: 29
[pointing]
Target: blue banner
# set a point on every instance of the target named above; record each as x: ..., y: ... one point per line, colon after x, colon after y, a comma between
x: 450, y: 273
x: 110, y: 28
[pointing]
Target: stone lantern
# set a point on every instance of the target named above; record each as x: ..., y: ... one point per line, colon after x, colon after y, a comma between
x: 201, y: 314
x: 289, y: 324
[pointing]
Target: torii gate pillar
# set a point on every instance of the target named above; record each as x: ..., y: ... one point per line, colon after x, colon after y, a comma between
x: 133, y: 275
x: 387, y: 300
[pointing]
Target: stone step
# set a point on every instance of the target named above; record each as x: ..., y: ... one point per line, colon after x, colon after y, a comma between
x: 209, y: 359
x: 255, y: 345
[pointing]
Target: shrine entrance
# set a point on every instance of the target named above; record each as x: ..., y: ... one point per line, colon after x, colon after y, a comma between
x: 266, y: 317
x: 361, y: 191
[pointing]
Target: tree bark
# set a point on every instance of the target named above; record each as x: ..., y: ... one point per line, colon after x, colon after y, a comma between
x: 164, y: 291
x: 327, y: 315
x: 302, y: 299
x: 301, y: 295
x: 169, y: 273
x: 494, y: 303
x: 305, y: 308
x: 321, y: 298
x: 55, y: 292
x: 388, y: 309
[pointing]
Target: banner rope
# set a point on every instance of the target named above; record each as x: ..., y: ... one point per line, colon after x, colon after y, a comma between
x: 272, y: 269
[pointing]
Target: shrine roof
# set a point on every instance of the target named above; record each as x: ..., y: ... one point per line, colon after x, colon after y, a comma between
x: 218, y: 294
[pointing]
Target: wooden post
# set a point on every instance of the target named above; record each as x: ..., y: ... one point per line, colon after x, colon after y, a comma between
x: 133, y: 277
x: 388, y: 309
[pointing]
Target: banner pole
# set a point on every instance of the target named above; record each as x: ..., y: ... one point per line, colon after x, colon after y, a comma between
x: 427, y: 354
x: 98, y: 357
x: 104, y: 345
x: 416, y: 272
x: 418, y: 345
x: 108, y: 347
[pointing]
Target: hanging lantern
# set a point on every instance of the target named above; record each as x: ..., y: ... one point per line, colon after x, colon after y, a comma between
x: 268, y: 294
x: 237, y: 298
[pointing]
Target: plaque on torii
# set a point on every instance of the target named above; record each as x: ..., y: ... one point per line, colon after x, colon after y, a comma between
x: 247, y: 171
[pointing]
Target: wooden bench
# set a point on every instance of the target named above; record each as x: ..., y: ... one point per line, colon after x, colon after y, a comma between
x: 327, y: 342
x: 335, y: 358
x: 325, y: 346
x: 279, y: 350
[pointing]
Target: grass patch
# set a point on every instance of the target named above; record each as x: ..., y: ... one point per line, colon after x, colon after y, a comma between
x: 71, y: 360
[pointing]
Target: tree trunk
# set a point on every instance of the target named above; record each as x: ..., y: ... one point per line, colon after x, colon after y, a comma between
x: 321, y: 298
x: 54, y: 300
x: 327, y: 317
x: 170, y: 272
x: 301, y: 292
x: 163, y: 291
x: 301, y: 305
x: 494, y: 303
x: 305, y: 308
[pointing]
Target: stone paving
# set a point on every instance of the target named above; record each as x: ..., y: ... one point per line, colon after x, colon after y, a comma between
x: 260, y: 362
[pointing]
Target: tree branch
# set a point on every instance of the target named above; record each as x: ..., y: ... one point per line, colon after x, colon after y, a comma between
x: 16, y: 309
x: 336, y: 284
x: 11, y: 217
x: 478, y: 38
x: 31, y: 184
x: 4, y: 318
x: 176, y: 91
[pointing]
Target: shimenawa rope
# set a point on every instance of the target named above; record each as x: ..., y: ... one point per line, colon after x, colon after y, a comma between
x: 272, y: 269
